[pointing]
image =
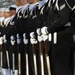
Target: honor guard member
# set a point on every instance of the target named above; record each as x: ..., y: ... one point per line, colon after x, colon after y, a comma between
x: 44, y: 6
x: 28, y: 25
x: 4, y: 57
x: 18, y: 4
x: 34, y: 14
x: 33, y: 24
x: 71, y: 30
x: 1, y: 19
x: 22, y: 25
x: 19, y: 23
x: 62, y: 40
x: 11, y: 30
x: 12, y: 9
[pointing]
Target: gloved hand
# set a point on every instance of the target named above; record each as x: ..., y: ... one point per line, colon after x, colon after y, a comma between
x: 38, y: 31
x: 44, y: 30
x: 32, y: 38
x: 44, y: 33
x: 32, y: 35
x: 4, y: 38
x: 24, y: 39
x: 18, y: 39
x: 12, y: 40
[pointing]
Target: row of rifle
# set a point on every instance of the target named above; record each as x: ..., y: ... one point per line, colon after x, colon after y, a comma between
x: 35, y: 27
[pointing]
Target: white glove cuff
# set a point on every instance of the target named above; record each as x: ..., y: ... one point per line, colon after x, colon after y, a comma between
x: 38, y: 31
x: 40, y: 38
x: 45, y: 37
x: 44, y: 30
x: 32, y: 35
x: 33, y: 41
x: 18, y: 41
x: 25, y: 41
x: 12, y: 42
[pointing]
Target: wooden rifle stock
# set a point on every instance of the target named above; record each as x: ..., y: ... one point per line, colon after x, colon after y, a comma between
x: 41, y: 58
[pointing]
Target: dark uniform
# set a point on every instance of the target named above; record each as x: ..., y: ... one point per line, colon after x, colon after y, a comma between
x: 36, y: 20
x: 72, y: 31
x: 20, y: 24
x: 27, y: 24
x: 11, y: 30
x: 60, y: 52
x: 4, y: 48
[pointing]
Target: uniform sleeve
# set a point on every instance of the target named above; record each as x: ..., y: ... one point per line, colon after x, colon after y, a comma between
x: 10, y: 30
x: 60, y: 20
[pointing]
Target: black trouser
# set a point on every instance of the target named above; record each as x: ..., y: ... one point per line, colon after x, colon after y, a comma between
x: 10, y: 51
x: 4, y: 57
x: 22, y: 58
x: 61, y: 54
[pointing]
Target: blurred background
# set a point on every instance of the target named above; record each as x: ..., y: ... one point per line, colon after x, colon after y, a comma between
x: 6, y: 3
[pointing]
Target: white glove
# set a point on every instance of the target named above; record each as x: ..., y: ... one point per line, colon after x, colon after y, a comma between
x: 12, y: 40
x: 12, y: 37
x: 24, y: 35
x: 33, y: 41
x: 44, y: 30
x: 4, y: 39
x: 38, y: 31
x: 32, y: 35
x: 18, y: 39
x: 18, y: 36
x: 25, y: 41
x: 45, y: 37
x: 40, y: 38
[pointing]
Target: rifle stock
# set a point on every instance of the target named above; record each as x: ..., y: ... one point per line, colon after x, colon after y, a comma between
x: 47, y: 60
x: 41, y: 58
x: 34, y: 59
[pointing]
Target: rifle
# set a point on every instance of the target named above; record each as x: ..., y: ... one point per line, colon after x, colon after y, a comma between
x: 33, y: 42
x: 26, y: 53
x: 13, y: 55
x: 19, y: 54
x: 41, y: 51
x: 7, y: 54
x: 46, y: 36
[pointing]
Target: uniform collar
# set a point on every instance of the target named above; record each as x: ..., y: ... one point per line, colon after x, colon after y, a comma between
x: 41, y: 3
x: 1, y: 19
x: 24, y: 7
x: 33, y: 5
x: 6, y: 20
